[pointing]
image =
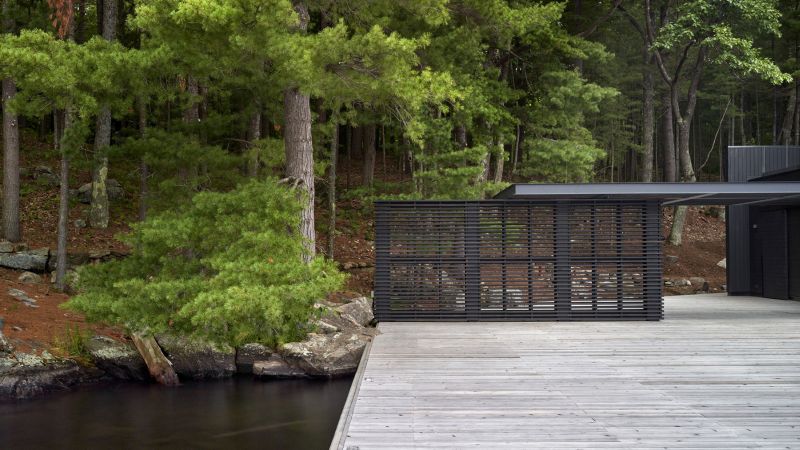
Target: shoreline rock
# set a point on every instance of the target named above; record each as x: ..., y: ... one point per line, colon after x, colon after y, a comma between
x: 116, y: 359
x: 24, y: 376
x: 198, y: 360
x: 334, y: 350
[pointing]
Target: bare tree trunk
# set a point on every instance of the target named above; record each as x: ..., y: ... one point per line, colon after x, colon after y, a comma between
x: 670, y: 172
x: 65, y: 118
x: 687, y: 175
x: 487, y: 162
x: 348, y: 145
x: 190, y: 117
x: 332, y: 189
x: 796, y: 137
x: 144, y: 171
x: 158, y: 365
x: 742, y: 131
x: 785, y: 136
x: 461, y: 136
x: 354, y: 150
x: 648, y: 125
x: 11, y: 228
x: 299, y: 147
x: 517, y: 139
x: 499, y: 161
x: 253, y: 134
x: 300, y: 158
x: 98, y: 210
x: 369, y: 137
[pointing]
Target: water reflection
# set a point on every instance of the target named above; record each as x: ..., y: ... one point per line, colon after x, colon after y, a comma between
x: 238, y: 413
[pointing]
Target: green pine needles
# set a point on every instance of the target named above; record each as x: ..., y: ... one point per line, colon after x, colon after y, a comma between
x: 226, y: 268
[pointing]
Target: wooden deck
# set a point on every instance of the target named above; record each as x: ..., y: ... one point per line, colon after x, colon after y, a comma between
x: 718, y: 372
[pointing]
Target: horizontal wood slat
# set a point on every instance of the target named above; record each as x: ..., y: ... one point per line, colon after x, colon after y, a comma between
x: 518, y: 260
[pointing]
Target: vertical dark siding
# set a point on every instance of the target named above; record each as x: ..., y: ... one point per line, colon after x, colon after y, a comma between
x: 745, y: 163
x: 794, y: 253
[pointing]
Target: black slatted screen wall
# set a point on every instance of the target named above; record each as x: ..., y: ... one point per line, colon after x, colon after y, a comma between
x: 518, y: 260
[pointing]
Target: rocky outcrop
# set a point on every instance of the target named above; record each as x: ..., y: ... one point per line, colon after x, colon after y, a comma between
x: 248, y: 354
x: 196, y: 359
x: 117, y: 359
x: 33, y: 260
x: 24, y: 375
x: 276, y: 367
x: 335, y: 349
x: 327, y: 355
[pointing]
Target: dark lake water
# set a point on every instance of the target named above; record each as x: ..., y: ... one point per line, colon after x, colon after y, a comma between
x: 232, y: 414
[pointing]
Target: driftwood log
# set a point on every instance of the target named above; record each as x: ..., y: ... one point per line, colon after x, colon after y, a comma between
x: 158, y: 365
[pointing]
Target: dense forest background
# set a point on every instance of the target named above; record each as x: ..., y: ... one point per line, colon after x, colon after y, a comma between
x: 355, y: 100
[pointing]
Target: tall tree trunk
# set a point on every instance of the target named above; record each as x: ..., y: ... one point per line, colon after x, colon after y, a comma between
x: 332, y: 188
x: 300, y: 158
x: 670, y: 172
x: 144, y: 170
x: 499, y: 161
x: 796, y: 134
x: 742, y: 131
x: 369, y: 138
x: 785, y: 136
x: 65, y: 119
x: 687, y: 175
x: 253, y: 134
x: 348, y: 145
x: 11, y: 228
x: 648, y: 125
x: 461, y: 136
x: 190, y: 117
x: 98, y: 210
x: 299, y: 147
x: 517, y: 155
x: 356, y: 140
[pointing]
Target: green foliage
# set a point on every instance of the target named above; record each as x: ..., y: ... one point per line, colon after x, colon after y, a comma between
x: 225, y: 268
x: 560, y: 161
x: 72, y: 344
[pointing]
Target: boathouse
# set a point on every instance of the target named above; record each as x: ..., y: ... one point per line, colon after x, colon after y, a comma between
x: 556, y: 252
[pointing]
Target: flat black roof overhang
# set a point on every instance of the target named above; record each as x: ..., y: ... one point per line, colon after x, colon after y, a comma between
x: 766, y: 193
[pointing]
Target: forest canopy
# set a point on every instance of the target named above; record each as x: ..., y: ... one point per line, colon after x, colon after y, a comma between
x: 188, y: 100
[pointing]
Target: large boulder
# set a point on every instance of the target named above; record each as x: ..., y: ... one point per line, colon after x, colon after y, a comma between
x: 33, y: 260
x: 117, y: 359
x: 24, y: 375
x: 248, y: 354
x: 327, y: 355
x: 195, y: 359
x: 351, y: 316
x: 358, y: 311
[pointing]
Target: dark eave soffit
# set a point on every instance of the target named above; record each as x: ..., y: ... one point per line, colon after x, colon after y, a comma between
x: 784, y: 192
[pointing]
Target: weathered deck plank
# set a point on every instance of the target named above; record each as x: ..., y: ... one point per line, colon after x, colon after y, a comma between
x: 718, y: 372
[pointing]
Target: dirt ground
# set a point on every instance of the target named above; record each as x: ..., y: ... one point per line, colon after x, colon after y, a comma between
x: 43, y: 327
x: 703, y: 247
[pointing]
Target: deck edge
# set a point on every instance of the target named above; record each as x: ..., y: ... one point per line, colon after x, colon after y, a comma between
x: 340, y: 436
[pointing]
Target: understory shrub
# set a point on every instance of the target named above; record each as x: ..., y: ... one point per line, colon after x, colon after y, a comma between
x: 227, y: 268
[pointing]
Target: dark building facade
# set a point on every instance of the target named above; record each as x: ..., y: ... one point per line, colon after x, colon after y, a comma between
x: 763, y: 242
